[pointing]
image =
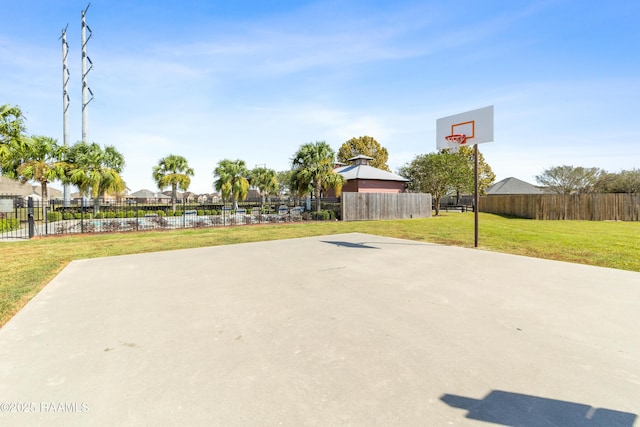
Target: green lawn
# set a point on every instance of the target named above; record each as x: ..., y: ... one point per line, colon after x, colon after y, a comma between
x: 29, y: 265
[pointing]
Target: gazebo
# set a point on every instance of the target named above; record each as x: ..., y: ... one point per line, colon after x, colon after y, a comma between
x: 363, y: 178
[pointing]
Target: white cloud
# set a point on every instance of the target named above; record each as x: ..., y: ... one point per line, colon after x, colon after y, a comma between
x: 256, y: 88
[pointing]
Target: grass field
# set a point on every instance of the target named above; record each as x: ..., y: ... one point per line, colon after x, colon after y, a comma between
x: 27, y: 266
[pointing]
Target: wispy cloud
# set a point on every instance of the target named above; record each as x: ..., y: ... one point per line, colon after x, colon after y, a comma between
x: 255, y: 86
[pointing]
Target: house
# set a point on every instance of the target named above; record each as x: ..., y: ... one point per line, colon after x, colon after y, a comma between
x: 209, y: 198
x: 512, y: 185
x: 14, y: 187
x: 363, y: 178
x: 148, y: 196
x: 52, y: 193
x: 189, y: 197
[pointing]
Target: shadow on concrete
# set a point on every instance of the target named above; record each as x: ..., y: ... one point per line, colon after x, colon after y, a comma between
x: 514, y: 409
x: 403, y: 244
x: 366, y: 245
x: 349, y: 244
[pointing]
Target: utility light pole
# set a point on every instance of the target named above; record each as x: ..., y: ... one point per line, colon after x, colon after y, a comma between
x: 85, y: 87
x: 65, y: 106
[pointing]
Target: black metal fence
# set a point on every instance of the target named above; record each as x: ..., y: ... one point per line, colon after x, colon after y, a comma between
x: 20, y: 220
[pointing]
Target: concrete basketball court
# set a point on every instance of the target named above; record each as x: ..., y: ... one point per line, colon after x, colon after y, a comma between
x: 349, y: 329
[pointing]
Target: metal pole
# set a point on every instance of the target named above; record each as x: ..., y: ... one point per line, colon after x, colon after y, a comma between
x: 476, y: 198
x: 65, y: 108
x: 31, y: 222
x: 82, y: 216
x: 85, y: 87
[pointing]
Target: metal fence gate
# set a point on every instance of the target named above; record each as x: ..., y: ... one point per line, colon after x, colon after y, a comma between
x: 17, y: 219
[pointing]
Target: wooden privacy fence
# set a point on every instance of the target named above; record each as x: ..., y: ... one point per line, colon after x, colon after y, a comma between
x: 588, y: 207
x: 373, y: 206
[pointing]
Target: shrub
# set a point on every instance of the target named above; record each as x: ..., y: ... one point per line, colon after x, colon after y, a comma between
x: 121, y: 214
x: 131, y: 214
x: 321, y: 216
x: 111, y: 215
x: 200, y: 212
x: 10, y: 224
x: 160, y: 213
x: 141, y: 213
x: 100, y: 215
x: 54, y: 216
x: 68, y: 215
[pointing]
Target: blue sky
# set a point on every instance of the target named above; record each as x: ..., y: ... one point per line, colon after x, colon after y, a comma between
x: 253, y: 80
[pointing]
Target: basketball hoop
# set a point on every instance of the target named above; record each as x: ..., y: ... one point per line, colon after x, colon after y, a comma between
x: 455, y: 141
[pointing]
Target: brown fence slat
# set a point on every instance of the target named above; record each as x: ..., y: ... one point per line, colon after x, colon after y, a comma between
x: 376, y: 206
x: 585, y: 207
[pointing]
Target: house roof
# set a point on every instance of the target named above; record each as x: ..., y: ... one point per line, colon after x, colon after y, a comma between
x: 15, y: 187
x: 360, y: 156
x: 512, y: 185
x: 368, y: 172
x: 148, y: 194
x: 52, y: 193
x: 179, y: 195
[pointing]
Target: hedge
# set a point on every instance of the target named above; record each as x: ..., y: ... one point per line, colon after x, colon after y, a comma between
x: 9, y: 224
x: 54, y: 216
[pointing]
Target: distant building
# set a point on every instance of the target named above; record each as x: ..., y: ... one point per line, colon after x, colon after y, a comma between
x: 363, y: 178
x: 208, y: 198
x: 512, y: 186
x: 13, y: 187
x: 148, y: 196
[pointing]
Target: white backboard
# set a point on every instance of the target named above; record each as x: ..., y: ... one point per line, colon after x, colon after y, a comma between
x: 477, y: 125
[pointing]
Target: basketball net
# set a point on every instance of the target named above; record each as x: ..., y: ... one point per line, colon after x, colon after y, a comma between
x: 455, y: 141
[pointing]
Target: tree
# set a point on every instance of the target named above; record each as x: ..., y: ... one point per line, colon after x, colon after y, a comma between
x: 569, y: 179
x: 38, y: 158
x: 11, y: 133
x: 95, y: 170
x: 173, y: 171
x: 486, y: 177
x: 627, y: 181
x: 265, y: 180
x: 438, y: 174
x: 284, y: 182
x: 313, y: 168
x: 11, y: 123
x: 298, y: 187
x: 367, y: 146
x: 232, y: 180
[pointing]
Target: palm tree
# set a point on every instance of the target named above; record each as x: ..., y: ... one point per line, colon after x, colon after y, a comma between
x: 313, y: 167
x: 232, y: 180
x: 38, y: 158
x: 11, y: 130
x: 95, y: 170
x: 298, y: 188
x: 173, y: 171
x: 11, y: 123
x: 264, y: 180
